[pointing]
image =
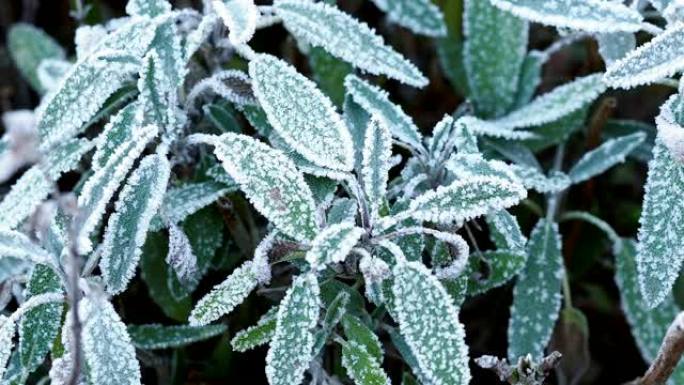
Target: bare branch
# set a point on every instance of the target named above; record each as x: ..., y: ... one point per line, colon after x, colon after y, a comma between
x: 668, y: 356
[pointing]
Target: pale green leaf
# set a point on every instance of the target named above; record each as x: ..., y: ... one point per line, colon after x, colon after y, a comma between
x: 536, y: 296
x: 505, y: 231
x: 150, y: 8
x: 377, y: 151
x: 256, y: 335
x: 301, y: 114
x: 156, y: 336
x: 502, y: 266
x: 240, y: 16
x: 291, y: 348
x: 361, y: 366
x: 128, y: 225
x: 420, y: 16
x: 29, y: 47
x: 357, y: 332
x: 493, y: 55
x: 323, y: 25
x: 607, y: 155
x: 333, y: 244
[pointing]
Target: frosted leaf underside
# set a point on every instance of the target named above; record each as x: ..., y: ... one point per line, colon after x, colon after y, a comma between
x: 420, y: 16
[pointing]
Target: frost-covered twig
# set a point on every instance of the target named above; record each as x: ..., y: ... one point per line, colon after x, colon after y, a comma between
x: 668, y: 357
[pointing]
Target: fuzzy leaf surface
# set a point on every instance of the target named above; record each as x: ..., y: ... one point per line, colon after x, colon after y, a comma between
x: 361, y: 366
x: 420, y: 16
x: 377, y: 151
x: 155, y: 336
x: 333, y: 244
x: 256, y: 335
x: 610, y: 153
x: 240, y: 16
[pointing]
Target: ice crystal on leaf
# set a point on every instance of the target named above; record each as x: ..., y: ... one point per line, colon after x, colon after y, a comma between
x: 240, y: 16
x: 536, y: 296
x: 659, y: 251
x: 420, y: 16
x: 505, y: 231
x: 614, y: 46
x: 270, y: 180
x: 91, y: 81
x: 502, y: 265
x: 232, y: 85
x: 155, y: 336
x: 197, y: 37
x: 301, y: 114
x: 149, y: 8
x: 100, y: 187
x: 609, y: 154
x: 181, y: 257
x: 376, y: 102
x: 585, y: 15
x: 360, y: 365
x: 183, y: 201
x: 87, y: 39
x: 493, y: 61
x: 428, y: 321
x: 28, y: 47
x: 333, y: 244
x: 127, y: 228
x: 116, y: 133
x: 534, y: 179
x: 657, y: 59
x: 323, y: 25
x: 107, y: 348
x: 291, y: 348
x: 465, y: 199
x: 377, y: 151
x: 157, y: 97
x: 17, y: 245
x: 7, y: 326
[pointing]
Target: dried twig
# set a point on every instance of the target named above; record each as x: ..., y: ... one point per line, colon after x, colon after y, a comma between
x: 668, y: 357
x: 526, y: 372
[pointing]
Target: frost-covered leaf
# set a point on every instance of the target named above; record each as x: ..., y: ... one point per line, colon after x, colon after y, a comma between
x: 301, y: 114
x: 232, y: 85
x: 493, y: 129
x: 648, y: 326
x: 502, y: 266
x: 291, y: 347
x: 149, y: 8
x: 128, y: 225
x: 183, y: 201
x: 197, y: 37
x: 614, y: 46
x: 156, y: 95
x: 428, y: 321
x: 660, y: 5
x: 17, y: 245
x: 29, y: 46
x: 39, y: 326
x: 256, y: 335
x: 36, y: 183
x: 270, y: 180
x: 100, y: 187
x: 536, y: 296
x: 50, y: 73
x: 156, y: 336
x: 87, y: 38
x: 356, y: 331
x: 607, y: 155
x: 505, y: 231
x: 168, y: 46
x: 91, y: 81
x: 357, y: 120
x: 659, y: 251
x: 377, y: 151
x: 659, y: 58
x: 468, y: 165
x: 420, y: 16
x: 532, y: 178
x: 240, y: 16
x: 493, y: 55
x: 323, y: 25
x: 530, y: 78
x: 556, y: 104
x: 361, y: 367
x: 181, y: 258
x: 376, y: 102
x: 118, y: 131
x: 7, y: 326
x: 107, y: 348
x: 333, y: 244
x: 329, y: 73
x: 586, y: 15
x: 465, y: 199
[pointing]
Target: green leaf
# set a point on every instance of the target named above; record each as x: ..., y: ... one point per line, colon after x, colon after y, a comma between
x: 29, y: 46
x: 536, y: 296
x: 118, y: 132
x: 93, y: 80
x: 464, y: 200
x: 156, y: 336
x: 187, y: 199
x: 240, y: 16
x: 607, y: 155
x: 333, y: 314
x: 648, y: 326
x: 291, y: 347
x: 222, y: 118
x: 149, y: 8
x: 155, y: 273
x: 530, y: 78
x: 270, y: 180
x: 493, y: 56
x: 377, y: 151
x: 17, y: 245
x: 205, y: 231
x: 36, y: 183
x: 505, y: 231
x: 533, y: 178
x: 420, y: 16
x: 305, y: 119
x: 107, y: 348
x: 156, y: 96
x: 502, y: 266
x: 361, y: 366
x: 585, y: 15
x: 323, y: 25
x: 659, y: 58
x: 428, y: 321
x: 329, y: 73
x: 333, y: 244
x: 259, y: 334
x: 376, y: 102
x: 128, y: 226
x: 40, y: 326
x: 359, y: 334
x: 7, y: 325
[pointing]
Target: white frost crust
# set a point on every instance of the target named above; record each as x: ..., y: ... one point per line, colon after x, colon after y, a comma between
x: 240, y: 16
